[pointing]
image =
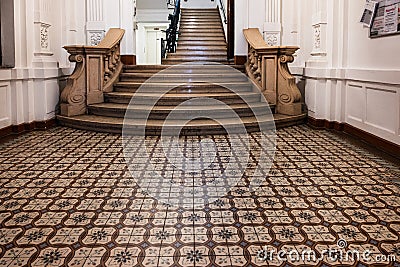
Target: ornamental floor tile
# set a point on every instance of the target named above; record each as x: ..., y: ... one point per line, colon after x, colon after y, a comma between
x: 68, y: 198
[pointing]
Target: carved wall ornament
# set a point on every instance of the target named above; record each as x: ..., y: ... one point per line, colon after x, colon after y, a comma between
x: 272, y: 39
x: 317, y: 36
x: 44, y: 36
x: 95, y: 37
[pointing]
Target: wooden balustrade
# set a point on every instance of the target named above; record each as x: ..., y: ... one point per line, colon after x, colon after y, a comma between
x: 267, y: 66
x: 97, y: 69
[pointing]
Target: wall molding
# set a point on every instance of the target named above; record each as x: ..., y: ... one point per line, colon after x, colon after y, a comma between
x: 27, y: 127
x: 372, y: 140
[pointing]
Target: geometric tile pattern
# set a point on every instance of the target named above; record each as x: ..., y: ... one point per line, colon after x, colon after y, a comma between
x: 67, y: 199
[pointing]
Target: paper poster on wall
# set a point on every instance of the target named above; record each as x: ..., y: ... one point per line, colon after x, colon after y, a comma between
x: 369, y: 12
x: 387, y: 19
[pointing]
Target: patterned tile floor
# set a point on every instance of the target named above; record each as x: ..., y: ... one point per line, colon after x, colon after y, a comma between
x: 67, y: 199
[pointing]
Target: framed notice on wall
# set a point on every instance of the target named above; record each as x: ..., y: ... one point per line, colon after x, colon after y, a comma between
x: 387, y: 19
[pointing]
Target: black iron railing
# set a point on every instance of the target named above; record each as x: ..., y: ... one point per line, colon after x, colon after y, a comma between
x: 223, y: 9
x: 171, y: 3
x: 169, y: 44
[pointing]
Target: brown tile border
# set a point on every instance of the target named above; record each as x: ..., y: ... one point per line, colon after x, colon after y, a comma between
x: 26, y: 127
x: 368, y: 138
x: 128, y: 59
x: 240, y: 60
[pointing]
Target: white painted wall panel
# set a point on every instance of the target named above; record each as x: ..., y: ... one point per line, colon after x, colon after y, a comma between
x: 355, y: 104
x: 5, y: 105
x: 382, y: 108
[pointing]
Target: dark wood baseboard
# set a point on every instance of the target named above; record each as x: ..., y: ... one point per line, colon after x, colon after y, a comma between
x: 368, y: 138
x: 240, y: 60
x: 128, y: 59
x: 27, y: 127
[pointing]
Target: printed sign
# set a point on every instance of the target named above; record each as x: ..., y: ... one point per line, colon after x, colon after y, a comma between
x: 387, y: 19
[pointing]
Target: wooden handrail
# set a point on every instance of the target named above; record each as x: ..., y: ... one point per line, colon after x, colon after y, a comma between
x: 97, y: 69
x: 268, y: 67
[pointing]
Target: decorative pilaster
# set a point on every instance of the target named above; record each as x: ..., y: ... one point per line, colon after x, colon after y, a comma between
x: 95, y: 25
x: 319, y: 25
x: 43, y: 55
x: 273, y: 23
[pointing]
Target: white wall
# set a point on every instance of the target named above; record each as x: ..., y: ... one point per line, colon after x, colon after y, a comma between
x: 349, y: 78
x: 262, y: 14
x: 30, y: 91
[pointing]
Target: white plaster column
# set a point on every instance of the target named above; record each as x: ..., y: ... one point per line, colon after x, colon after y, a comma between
x: 273, y: 22
x: 95, y: 24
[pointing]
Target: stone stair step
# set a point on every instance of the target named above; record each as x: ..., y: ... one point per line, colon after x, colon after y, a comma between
x: 200, y: 15
x: 183, y: 77
x: 191, y: 60
x: 201, y: 38
x: 154, y: 127
x: 199, y: 10
x: 177, y: 99
x: 208, y: 53
x: 202, y: 48
x: 207, y: 27
x: 186, y: 68
x: 174, y: 58
x: 204, y: 34
x: 184, y: 24
x: 209, y: 32
x: 186, y: 88
x: 181, y: 112
x: 202, y: 43
x: 214, y: 19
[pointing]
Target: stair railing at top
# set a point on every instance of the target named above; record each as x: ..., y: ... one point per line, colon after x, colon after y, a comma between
x: 171, y: 3
x: 97, y: 69
x: 223, y: 9
x: 268, y: 67
x: 169, y: 44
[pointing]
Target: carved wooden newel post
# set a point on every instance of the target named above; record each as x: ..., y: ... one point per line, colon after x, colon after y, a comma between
x: 97, y: 69
x: 267, y: 67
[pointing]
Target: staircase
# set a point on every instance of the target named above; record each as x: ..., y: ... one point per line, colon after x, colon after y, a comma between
x: 109, y: 116
x: 201, y: 38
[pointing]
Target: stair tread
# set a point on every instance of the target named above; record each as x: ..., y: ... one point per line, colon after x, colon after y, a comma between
x: 186, y: 66
x: 102, y: 120
x: 163, y: 123
x: 166, y: 75
x: 183, y: 108
x: 183, y: 95
x: 200, y: 84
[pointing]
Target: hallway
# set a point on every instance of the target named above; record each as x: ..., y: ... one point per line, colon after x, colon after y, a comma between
x: 67, y: 199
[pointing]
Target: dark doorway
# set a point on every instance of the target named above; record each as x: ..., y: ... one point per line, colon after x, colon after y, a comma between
x: 231, y: 29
